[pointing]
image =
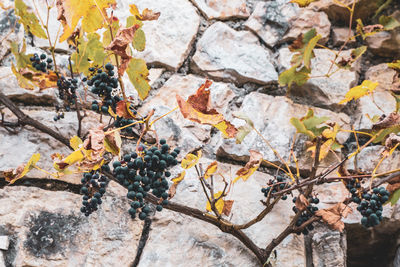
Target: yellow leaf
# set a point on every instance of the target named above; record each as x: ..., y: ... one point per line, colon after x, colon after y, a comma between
x: 190, y: 160
x: 13, y: 175
x: 75, y: 142
x: 251, y: 166
x: 92, y: 13
x: 227, y: 129
x: 359, y: 91
x: 303, y: 3
x: 211, y: 169
x: 219, y: 205
x: 179, y: 178
x: 72, y: 158
x: 29, y: 19
x: 30, y: 165
x: 113, y: 143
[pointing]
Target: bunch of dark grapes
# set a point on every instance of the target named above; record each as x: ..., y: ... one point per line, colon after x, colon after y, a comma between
x: 371, y: 208
x: 354, y: 187
x: 67, y: 91
x: 59, y: 116
x: 103, y: 83
x: 93, y: 188
x: 145, y: 171
x: 121, y: 122
x: 274, y: 186
x: 40, y: 63
x: 306, y: 214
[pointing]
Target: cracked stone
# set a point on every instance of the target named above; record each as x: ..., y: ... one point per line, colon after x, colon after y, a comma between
x: 235, y: 56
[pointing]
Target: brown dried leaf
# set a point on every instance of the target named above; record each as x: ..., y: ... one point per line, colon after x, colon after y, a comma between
x: 393, y: 119
x: 297, y: 44
x: 227, y: 207
x: 123, y: 111
x: 95, y: 139
x: 372, y: 28
x: 333, y: 215
x: 148, y: 14
x: 392, y: 141
x: 393, y: 187
x: 250, y: 167
x: 301, y: 202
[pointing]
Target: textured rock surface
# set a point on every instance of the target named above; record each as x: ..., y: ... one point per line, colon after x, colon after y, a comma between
x: 341, y: 35
x: 386, y: 44
x: 236, y: 56
x: 176, y: 129
x: 32, y: 141
x: 166, y: 46
x: 340, y: 14
x: 200, y: 239
x: 325, y: 91
x: 10, y: 31
x: 271, y: 116
x: 270, y: 20
x: 328, y: 248
x: 381, y: 101
x: 306, y: 20
x: 369, y: 158
x: 222, y: 9
x: 47, y: 229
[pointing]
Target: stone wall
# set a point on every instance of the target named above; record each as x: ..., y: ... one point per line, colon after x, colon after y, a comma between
x: 241, y: 46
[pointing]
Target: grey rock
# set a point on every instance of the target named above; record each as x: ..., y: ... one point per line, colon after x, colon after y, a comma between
x: 271, y: 117
x: 165, y: 45
x: 4, y: 242
x: 341, y: 35
x: 270, y: 20
x: 222, y: 9
x: 235, y: 56
x: 51, y: 231
x: 326, y: 91
x: 10, y: 30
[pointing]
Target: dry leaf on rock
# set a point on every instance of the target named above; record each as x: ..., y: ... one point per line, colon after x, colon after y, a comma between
x: 301, y: 202
x: 176, y: 181
x: 393, y: 119
x: 250, y: 167
x: 227, y: 207
x: 333, y: 215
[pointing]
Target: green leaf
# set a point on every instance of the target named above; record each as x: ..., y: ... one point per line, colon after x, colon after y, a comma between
x: 290, y: 76
x: 244, y: 130
x: 107, y: 35
x: 308, y: 51
x: 358, y: 52
x: 382, y: 136
x: 89, y: 52
x: 139, y: 40
x: 21, y: 58
x: 388, y: 22
x: 301, y: 128
x: 395, y: 197
x: 309, y: 35
x: 313, y: 122
x: 138, y: 74
x: 29, y: 19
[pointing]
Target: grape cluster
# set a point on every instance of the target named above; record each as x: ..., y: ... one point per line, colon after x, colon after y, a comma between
x: 93, y: 188
x: 103, y: 83
x: 275, y: 186
x: 59, y: 116
x: 144, y: 171
x: 67, y: 91
x: 306, y: 214
x: 39, y: 63
x: 121, y: 122
x: 371, y: 208
x: 354, y: 187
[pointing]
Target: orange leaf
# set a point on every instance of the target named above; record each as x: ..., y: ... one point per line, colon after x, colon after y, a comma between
x: 250, y: 167
x: 334, y: 214
x: 211, y: 169
x: 227, y: 207
x: 124, y: 111
x: 148, y: 14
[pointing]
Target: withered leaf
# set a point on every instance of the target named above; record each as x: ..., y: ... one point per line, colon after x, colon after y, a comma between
x: 384, y: 122
x: 123, y: 110
x: 250, y: 167
x: 148, y: 14
x: 227, y: 207
x: 301, y: 202
x: 333, y: 215
x: 174, y: 186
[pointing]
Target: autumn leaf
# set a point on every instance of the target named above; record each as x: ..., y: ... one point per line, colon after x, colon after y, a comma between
x: 308, y: 124
x: 139, y: 76
x: 219, y: 205
x: 176, y: 181
x: 391, y: 143
x: 395, y: 65
x: 29, y: 20
x: 123, y: 110
x: 301, y: 202
x: 292, y: 75
x: 30, y: 80
x: 388, y: 22
x: 92, y: 13
x: 122, y: 39
x: 302, y: 3
x: 90, y: 51
x: 147, y: 14
x: 113, y: 143
x: 392, y: 120
x: 74, y: 157
x: 13, y: 175
x: 21, y: 58
x: 198, y: 109
x: 333, y: 215
x: 244, y: 130
x: 395, y: 197
x: 227, y: 207
x: 190, y: 160
x: 211, y: 169
x: 75, y: 142
x: 367, y: 87
x: 250, y: 167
